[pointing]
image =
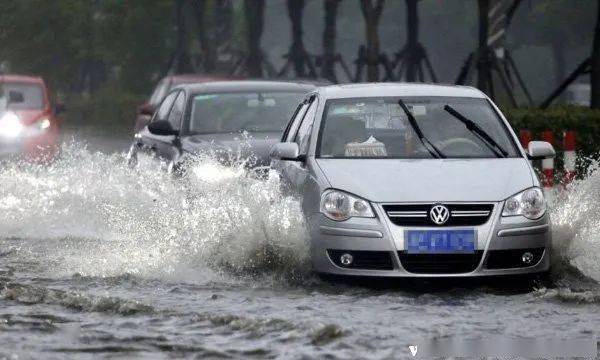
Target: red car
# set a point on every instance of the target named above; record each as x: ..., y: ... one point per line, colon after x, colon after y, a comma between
x: 145, y: 111
x: 29, y: 125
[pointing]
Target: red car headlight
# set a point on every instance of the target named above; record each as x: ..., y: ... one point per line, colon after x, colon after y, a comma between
x: 10, y: 125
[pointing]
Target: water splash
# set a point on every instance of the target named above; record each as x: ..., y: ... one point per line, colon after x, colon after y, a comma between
x: 576, y: 226
x: 98, y: 217
x: 107, y: 219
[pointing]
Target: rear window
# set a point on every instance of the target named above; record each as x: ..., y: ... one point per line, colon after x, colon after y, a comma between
x: 242, y: 111
x: 33, y: 96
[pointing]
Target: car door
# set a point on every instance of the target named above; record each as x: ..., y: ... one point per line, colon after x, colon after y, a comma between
x: 168, y: 148
x: 147, y: 143
x: 295, y: 173
x: 288, y: 134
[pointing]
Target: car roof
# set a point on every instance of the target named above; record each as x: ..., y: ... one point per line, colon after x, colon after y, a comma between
x: 194, y: 78
x: 397, y: 89
x: 248, y: 85
x: 21, y: 79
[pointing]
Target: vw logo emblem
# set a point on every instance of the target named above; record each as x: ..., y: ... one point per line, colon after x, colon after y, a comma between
x: 439, y: 214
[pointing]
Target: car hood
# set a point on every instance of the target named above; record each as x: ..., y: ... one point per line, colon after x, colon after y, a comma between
x: 255, y: 144
x: 444, y: 180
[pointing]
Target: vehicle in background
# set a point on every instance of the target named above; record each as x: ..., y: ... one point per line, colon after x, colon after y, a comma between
x: 29, y: 125
x: 215, y: 116
x: 165, y: 85
x: 414, y: 180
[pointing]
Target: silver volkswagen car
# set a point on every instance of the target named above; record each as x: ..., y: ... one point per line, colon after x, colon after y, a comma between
x: 414, y: 180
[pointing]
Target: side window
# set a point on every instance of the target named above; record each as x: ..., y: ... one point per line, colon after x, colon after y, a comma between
x: 290, y: 131
x: 303, y: 135
x: 165, y: 106
x: 177, y: 111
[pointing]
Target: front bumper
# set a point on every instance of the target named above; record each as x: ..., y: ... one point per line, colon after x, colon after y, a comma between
x: 10, y: 148
x: 500, y: 244
x: 42, y: 147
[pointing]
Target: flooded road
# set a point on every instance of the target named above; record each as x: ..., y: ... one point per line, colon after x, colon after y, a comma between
x: 101, y: 261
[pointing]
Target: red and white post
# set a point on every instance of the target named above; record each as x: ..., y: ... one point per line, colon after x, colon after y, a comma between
x: 569, y: 145
x: 525, y: 137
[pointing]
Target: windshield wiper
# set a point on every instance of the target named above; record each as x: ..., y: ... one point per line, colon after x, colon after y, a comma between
x: 435, y: 152
x: 476, y: 129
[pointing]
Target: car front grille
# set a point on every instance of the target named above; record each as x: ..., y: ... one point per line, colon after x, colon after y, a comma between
x: 418, y: 214
x: 440, y: 263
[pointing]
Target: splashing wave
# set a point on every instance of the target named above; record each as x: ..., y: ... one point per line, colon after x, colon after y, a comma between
x: 101, y: 218
x: 111, y: 220
x: 576, y: 226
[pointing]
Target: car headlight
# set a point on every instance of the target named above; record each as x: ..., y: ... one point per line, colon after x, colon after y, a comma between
x: 42, y: 124
x: 529, y: 203
x: 10, y: 125
x: 338, y: 205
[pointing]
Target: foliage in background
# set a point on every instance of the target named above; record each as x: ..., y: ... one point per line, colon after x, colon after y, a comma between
x: 102, y: 57
x: 79, y: 45
x: 115, y: 50
x: 584, y: 121
x: 111, y: 111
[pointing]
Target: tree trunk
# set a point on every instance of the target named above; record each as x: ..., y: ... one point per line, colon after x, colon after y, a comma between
x: 560, y: 67
x: 181, y: 58
x: 297, y: 51
x: 483, y: 65
x: 223, y: 30
x: 329, y: 38
x: 254, y: 16
x: 595, y: 77
x: 412, y: 51
x: 205, y: 40
x: 372, y: 14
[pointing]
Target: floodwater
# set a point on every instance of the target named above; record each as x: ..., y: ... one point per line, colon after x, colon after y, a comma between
x: 101, y: 261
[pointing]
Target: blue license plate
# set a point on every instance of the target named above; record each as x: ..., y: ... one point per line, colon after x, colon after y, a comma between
x: 439, y: 241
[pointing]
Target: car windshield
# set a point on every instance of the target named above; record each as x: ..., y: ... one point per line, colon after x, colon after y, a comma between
x: 380, y: 128
x: 245, y: 111
x: 32, y: 95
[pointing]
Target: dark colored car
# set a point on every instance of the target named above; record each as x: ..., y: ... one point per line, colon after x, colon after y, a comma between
x: 165, y: 85
x: 29, y: 125
x: 214, y: 116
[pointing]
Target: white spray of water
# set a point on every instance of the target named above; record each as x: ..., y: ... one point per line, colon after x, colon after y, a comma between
x: 576, y: 225
x: 106, y: 219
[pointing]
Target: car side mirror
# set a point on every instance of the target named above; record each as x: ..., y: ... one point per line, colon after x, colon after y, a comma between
x: 146, y: 109
x: 540, y: 150
x: 286, y: 151
x: 15, y: 97
x: 162, y: 128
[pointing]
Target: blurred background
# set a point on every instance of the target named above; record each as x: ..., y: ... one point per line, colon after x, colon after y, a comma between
x: 102, y: 59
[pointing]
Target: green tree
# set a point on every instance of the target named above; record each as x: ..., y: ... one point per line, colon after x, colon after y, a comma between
x: 372, y: 10
x: 75, y: 44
